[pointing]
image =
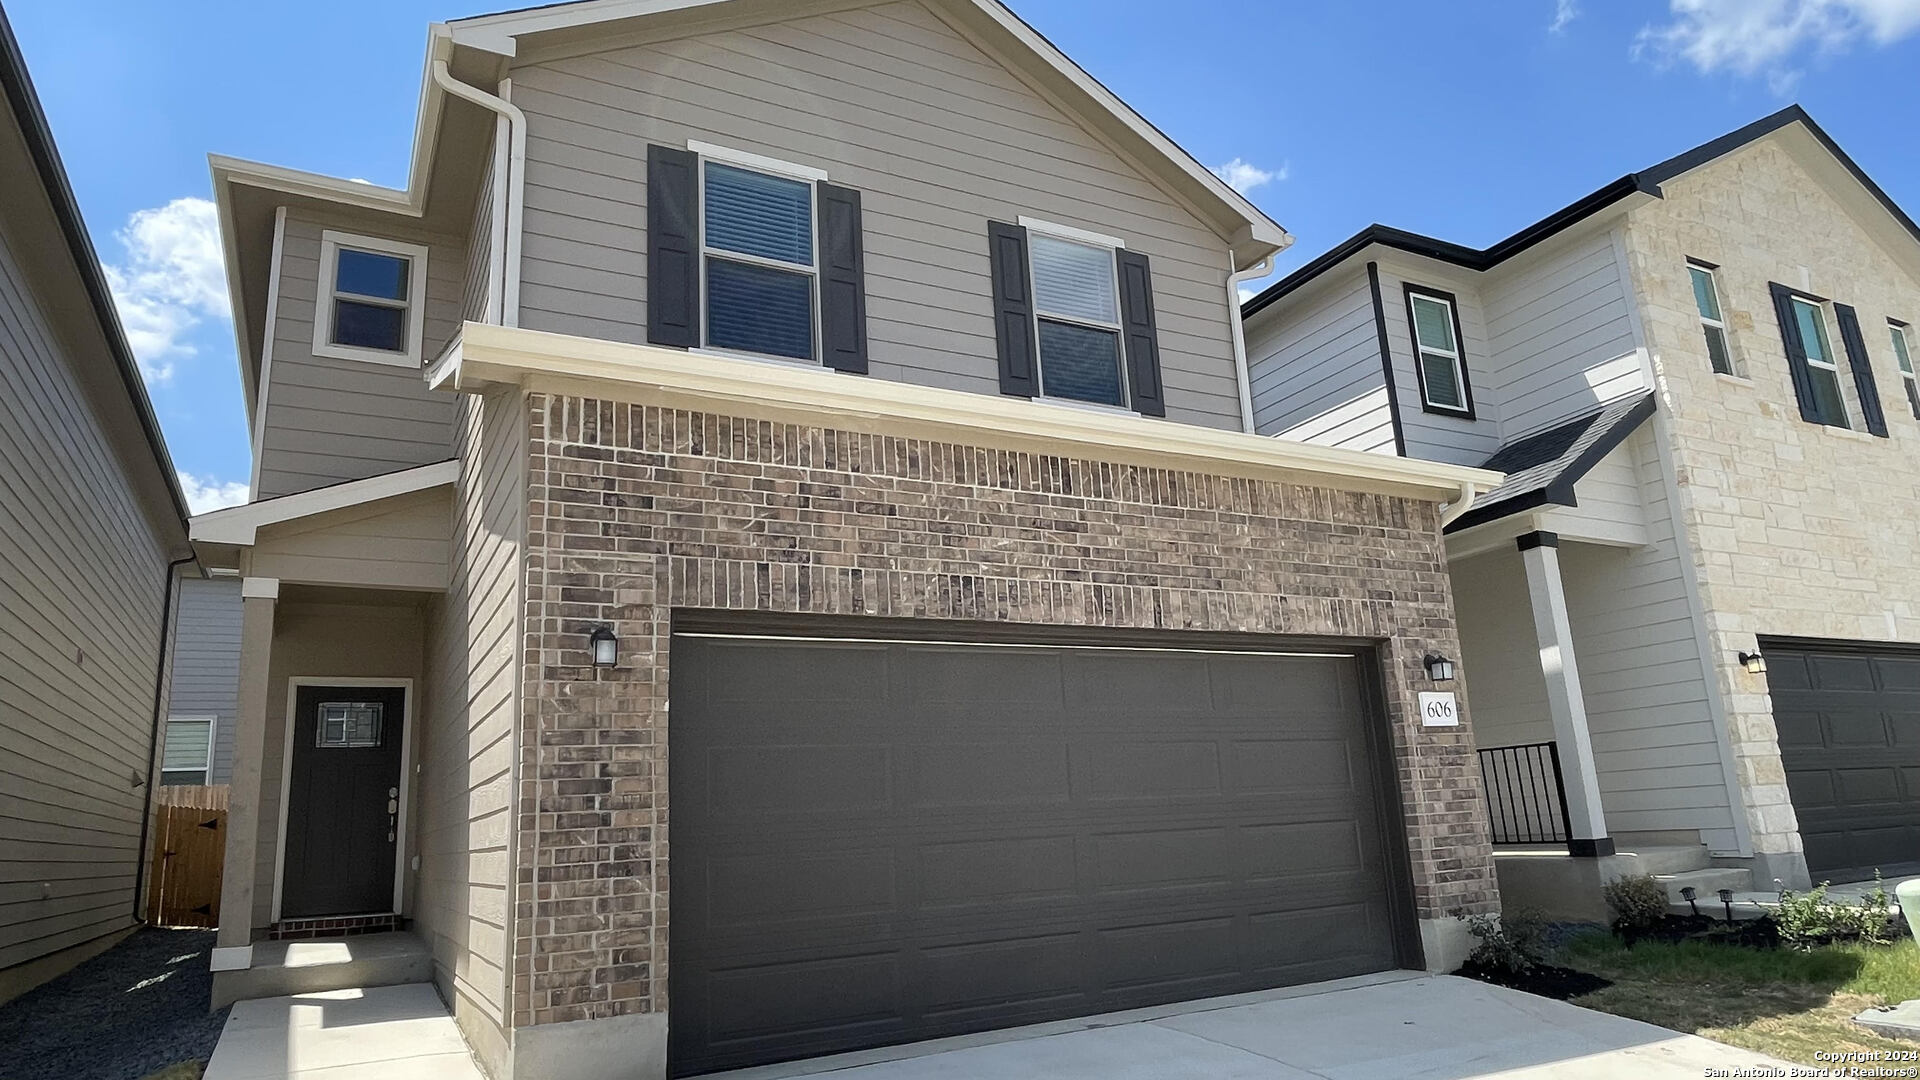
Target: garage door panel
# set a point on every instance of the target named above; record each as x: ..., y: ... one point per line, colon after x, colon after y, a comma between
x: 1130, y: 771
x: 996, y: 774
x: 1850, y: 742
x: 844, y: 674
x: 998, y: 871
x: 1293, y: 765
x: 1003, y: 836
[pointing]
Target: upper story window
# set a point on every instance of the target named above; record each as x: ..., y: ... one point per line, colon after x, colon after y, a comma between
x: 1076, y: 306
x: 1830, y: 405
x: 1903, y: 352
x: 1439, y: 359
x: 758, y: 250
x: 1706, y: 297
x: 187, y: 755
x: 372, y: 299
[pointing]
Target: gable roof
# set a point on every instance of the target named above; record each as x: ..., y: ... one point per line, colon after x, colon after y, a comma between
x: 1543, y: 468
x: 1002, y: 34
x: 1646, y: 182
x: 129, y: 387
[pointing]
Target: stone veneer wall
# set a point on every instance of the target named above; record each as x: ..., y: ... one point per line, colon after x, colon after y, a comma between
x: 1795, y: 529
x: 637, y: 510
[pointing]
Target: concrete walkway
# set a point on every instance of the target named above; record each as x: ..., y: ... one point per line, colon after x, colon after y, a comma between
x: 1403, y: 1026
x: 383, y: 1033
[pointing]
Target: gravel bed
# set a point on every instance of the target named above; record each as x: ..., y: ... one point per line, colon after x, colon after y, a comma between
x: 135, y: 1009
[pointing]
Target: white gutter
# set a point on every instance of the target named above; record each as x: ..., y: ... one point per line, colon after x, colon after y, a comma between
x: 1258, y: 270
x: 1450, y: 512
x: 504, y: 257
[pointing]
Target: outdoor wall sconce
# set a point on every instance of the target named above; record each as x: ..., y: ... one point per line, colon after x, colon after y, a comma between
x: 606, y: 648
x: 1439, y: 668
x: 1755, y: 663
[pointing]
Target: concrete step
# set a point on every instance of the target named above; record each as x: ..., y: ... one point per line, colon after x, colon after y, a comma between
x: 1706, y: 883
x: 1669, y: 859
x: 284, y: 968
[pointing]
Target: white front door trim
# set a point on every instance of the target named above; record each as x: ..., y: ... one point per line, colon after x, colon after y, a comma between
x: 406, y: 788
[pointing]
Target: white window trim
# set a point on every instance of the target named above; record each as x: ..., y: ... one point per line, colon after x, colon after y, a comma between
x: 1720, y: 324
x: 1118, y: 329
x: 813, y: 178
x: 1829, y: 364
x: 1900, y: 330
x: 1421, y: 348
x: 213, y: 729
x: 330, y: 244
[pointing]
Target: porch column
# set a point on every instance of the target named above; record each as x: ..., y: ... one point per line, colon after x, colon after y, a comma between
x: 1586, y: 820
x: 258, y: 599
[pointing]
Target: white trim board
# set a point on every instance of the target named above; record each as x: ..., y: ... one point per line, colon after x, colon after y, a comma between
x: 240, y: 524
x: 405, y: 784
x: 327, y: 294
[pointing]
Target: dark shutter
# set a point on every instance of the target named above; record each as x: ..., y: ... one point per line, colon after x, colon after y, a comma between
x: 1863, y: 381
x: 843, y: 281
x: 1142, y: 337
x: 1012, y: 308
x: 673, y: 248
x: 1796, y: 352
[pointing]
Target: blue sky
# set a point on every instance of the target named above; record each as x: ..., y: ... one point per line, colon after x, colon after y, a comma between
x: 1466, y: 120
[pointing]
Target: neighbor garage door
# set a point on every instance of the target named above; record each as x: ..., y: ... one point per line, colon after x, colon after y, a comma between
x: 1849, y: 723
x: 876, y: 842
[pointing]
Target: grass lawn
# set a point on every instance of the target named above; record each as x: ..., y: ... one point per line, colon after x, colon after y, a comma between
x: 1781, y: 1002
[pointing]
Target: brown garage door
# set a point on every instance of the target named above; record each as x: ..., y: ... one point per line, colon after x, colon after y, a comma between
x: 1849, y: 723
x: 876, y: 842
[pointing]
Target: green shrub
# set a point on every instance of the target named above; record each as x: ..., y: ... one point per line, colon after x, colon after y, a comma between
x: 1639, y: 902
x: 1811, y: 919
x: 1516, y: 942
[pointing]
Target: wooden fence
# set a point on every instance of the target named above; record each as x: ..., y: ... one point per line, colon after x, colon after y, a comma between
x: 189, y: 847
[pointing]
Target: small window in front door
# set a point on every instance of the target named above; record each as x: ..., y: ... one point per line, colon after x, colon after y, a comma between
x: 348, y: 724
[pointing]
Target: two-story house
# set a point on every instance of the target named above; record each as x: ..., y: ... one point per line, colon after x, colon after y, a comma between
x: 862, y: 385
x: 1693, y: 602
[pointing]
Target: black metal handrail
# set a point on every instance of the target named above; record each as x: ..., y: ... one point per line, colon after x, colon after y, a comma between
x: 1526, y: 795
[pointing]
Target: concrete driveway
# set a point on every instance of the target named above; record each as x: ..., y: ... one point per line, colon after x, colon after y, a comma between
x: 1410, y: 1027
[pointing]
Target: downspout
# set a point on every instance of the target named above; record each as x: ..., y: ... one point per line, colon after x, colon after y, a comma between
x: 1258, y: 270
x: 153, y: 737
x: 515, y: 187
x: 1451, y: 511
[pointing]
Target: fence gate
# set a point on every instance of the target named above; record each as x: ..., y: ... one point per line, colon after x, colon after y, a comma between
x: 189, y: 847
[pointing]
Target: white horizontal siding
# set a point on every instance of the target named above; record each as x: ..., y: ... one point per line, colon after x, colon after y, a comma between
x: 1315, y: 366
x: 1440, y: 436
x: 938, y: 138
x: 1561, y: 332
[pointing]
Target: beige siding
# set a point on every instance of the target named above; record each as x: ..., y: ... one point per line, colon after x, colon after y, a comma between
x: 468, y: 779
x: 329, y: 634
x: 329, y: 420
x: 397, y: 543
x: 1561, y: 334
x: 475, y: 304
x: 81, y: 583
x: 1315, y: 361
x: 938, y: 138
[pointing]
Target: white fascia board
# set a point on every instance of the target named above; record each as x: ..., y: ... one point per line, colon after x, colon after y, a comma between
x: 502, y: 356
x: 239, y: 525
x: 496, y: 33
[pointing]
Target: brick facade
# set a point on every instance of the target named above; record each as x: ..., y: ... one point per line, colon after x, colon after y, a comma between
x: 1795, y: 529
x: 636, y: 510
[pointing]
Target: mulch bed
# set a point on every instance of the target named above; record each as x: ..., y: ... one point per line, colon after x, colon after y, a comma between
x: 1558, y: 983
x: 135, y: 1009
x: 1761, y: 933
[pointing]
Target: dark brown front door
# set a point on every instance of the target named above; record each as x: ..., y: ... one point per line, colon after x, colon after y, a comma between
x: 878, y: 842
x: 344, y: 801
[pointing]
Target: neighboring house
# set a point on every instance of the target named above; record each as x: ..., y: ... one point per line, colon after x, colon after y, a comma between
x: 1699, y: 381
x: 861, y: 380
x: 90, y: 518
x: 202, y: 702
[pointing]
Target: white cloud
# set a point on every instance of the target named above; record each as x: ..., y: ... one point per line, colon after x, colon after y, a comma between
x: 1243, y: 177
x: 173, y: 276
x: 1564, y: 12
x: 1765, y: 38
x: 204, y: 495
